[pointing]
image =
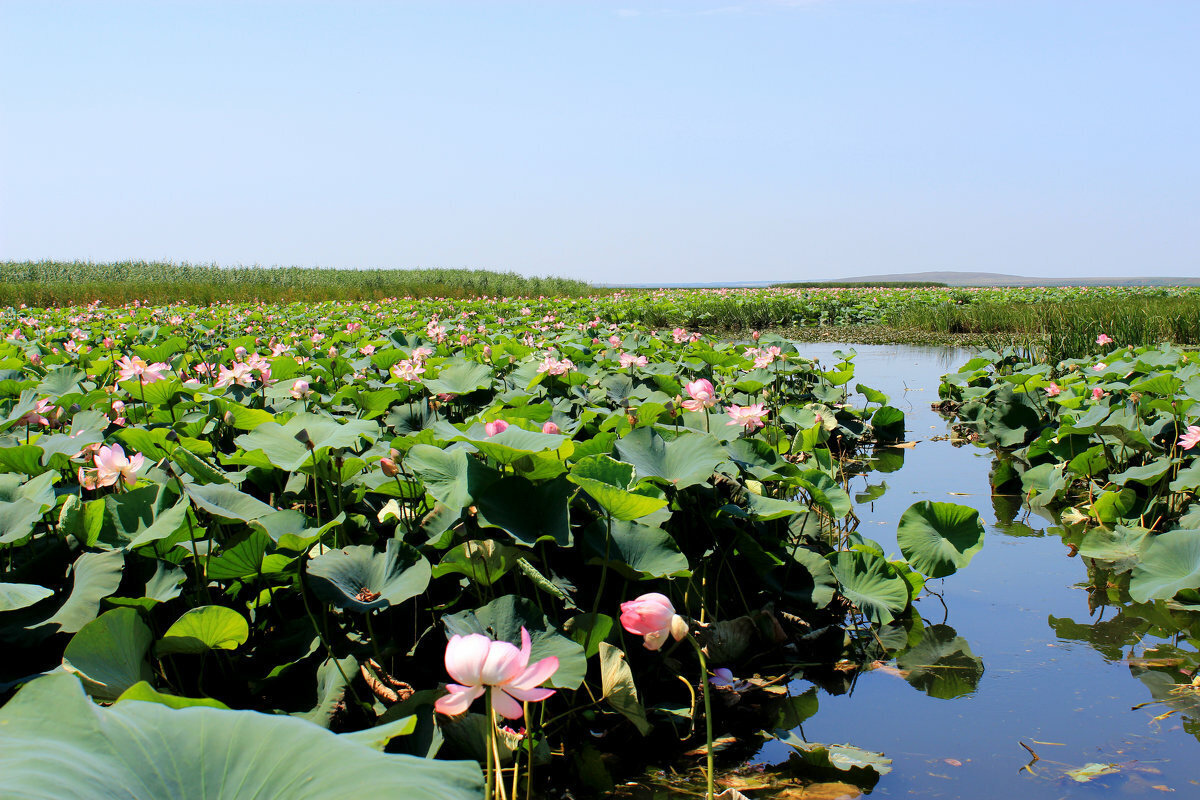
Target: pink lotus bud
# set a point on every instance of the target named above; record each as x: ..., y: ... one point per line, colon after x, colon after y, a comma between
x: 498, y: 426
x: 549, y: 427
x: 653, y: 617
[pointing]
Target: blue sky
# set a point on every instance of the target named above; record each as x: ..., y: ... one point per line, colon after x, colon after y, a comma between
x: 612, y: 142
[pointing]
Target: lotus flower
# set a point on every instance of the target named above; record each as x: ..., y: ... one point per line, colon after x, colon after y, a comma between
x: 1053, y: 390
x: 480, y: 665
x: 750, y: 417
x: 497, y: 426
x: 652, y: 617
x: 702, y: 395
x: 549, y: 427
x: 1190, y: 438
x: 111, y: 466
x: 1103, y: 338
x: 136, y: 367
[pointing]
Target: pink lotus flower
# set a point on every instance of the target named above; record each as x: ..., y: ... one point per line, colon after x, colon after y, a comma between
x: 632, y: 360
x: 37, y: 415
x: 750, y: 417
x: 497, y: 426
x: 652, y: 617
x: 136, y: 367
x: 408, y: 370
x: 239, y: 373
x: 1097, y: 393
x: 1191, y: 438
x: 480, y: 665
x: 1098, y: 366
x: 1053, y: 390
x: 702, y: 395
x: 550, y: 427
x: 111, y: 466
x: 679, y: 335
x: 300, y: 389
x: 1103, y: 338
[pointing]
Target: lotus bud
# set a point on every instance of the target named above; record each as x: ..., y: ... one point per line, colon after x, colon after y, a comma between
x: 229, y: 418
x: 389, y: 467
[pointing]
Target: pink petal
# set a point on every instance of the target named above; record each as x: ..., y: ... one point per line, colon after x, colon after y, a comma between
x: 529, y: 695
x: 503, y: 663
x: 505, y: 706
x: 465, y: 656
x: 535, y: 674
x: 459, y: 699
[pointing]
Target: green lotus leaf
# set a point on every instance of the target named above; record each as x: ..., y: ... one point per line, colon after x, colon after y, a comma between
x: 287, y: 446
x: 483, y: 561
x: 682, y: 461
x: 528, y: 511
x: 638, y: 551
x: 59, y: 744
x: 225, y: 500
x: 22, y: 504
x: 460, y: 377
x: 109, y: 653
x: 618, y: 689
x: 871, y: 583
x: 145, y: 693
x: 290, y: 529
x: 21, y: 595
x: 453, y: 477
x: 1123, y: 546
x: 888, y: 424
x: 205, y: 628
x: 240, y: 556
x: 1147, y: 474
x: 359, y: 578
x: 94, y: 577
x: 841, y: 757
x: 1170, y: 562
x: 601, y: 477
x: 939, y: 538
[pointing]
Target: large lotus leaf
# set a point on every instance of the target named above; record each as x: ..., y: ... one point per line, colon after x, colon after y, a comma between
x: 1110, y: 506
x: 359, y: 578
x: 60, y: 744
x: 1123, y: 546
x: 888, y: 424
x: 290, y: 530
x: 513, y: 443
x: 824, y: 492
x: 763, y: 508
x: 503, y: 619
x: 22, y: 458
x: 61, y: 380
x: 453, y: 477
x: 288, y: 446
x: 146, y: 693
x: 240, y: 557
x: 685, y: 460
x: 109, y: 653
x: 332, y: 677
x: 141, y: 516
x: 225, y: 500
x: 158, y: 393
x: 527, y: 511
x: 942, y: 665
x: 23, y: 503
x: 21, y: 595
x: 484, y: 561
x: 817, y: 585
x: 95, y: 576
x: 1170, y: 562
x: 607, y: 481
x: 1188, y: 479
x: 205, y: 628
x: 460, y: 377
x: 939, y: 538
x: 637, y: 551
x: 1146, y: 474
x: 871, y: 583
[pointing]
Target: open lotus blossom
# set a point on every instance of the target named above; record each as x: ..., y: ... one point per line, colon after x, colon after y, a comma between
x: 480, y: 665
x: 300, y: 389
x: 750, y: 417
x: 1098, y: 366
x: 496, y: 426
x: 111, y: 466
x: 37, y: 415
x: 1190, y: 438
x: 239, y: 373
x: 1097, y: 393
x: 702, y: 395
x: 1053, y: 390
x: 1104, y: 338
x: 136, y: 367
x: 408, y: 370
x: 652, y: 617
x: 633, y: 360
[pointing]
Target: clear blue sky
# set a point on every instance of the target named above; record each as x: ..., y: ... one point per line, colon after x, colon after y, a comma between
x: 619, y: 141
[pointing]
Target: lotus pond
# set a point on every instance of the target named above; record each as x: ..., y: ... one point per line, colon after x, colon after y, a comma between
x: 284, y: 551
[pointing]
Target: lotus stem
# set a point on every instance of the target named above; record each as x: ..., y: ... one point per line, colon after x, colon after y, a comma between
x: 708, y: 730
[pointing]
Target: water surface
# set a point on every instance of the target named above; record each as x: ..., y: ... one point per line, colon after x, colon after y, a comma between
x: 1068, y: 701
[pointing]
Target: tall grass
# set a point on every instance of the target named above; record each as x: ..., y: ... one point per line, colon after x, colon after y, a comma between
x: 47, y: 283
x: 1067, y: 329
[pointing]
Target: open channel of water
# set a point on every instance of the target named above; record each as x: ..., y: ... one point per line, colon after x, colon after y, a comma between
x: 1069, y: 699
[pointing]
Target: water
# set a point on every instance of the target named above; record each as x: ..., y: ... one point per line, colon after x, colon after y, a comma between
x: 1064, y: 698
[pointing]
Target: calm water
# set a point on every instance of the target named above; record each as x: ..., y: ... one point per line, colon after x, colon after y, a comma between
x: 1037, y: 688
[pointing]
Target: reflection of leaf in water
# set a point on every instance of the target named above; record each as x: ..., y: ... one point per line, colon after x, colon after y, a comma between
x: 942, y: 664
x: 1107, y: 637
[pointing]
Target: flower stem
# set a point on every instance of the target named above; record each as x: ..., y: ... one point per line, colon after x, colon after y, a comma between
x: 708, y: 731
x: 491, y: 743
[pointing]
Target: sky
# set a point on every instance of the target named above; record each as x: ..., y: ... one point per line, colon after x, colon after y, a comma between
x: 608, y: 141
